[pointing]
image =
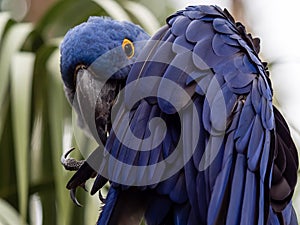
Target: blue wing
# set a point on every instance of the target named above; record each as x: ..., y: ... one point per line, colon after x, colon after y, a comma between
x: 240, y: 166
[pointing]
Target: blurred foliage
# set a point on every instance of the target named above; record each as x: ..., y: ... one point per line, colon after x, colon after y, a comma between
x: 36, y: 119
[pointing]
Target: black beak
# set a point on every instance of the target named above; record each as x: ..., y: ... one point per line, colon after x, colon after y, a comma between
x: 92, y: 101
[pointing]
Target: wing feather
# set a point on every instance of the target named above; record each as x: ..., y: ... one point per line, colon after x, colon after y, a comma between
x: 237, y: 193
x: 227, y: 177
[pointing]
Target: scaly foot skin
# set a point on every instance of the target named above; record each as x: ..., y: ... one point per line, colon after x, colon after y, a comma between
x: 70, y: 163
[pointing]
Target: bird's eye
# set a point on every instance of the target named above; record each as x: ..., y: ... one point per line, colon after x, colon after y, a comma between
x: 128, y: 48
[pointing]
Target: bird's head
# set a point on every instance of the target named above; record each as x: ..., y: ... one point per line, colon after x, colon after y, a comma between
x: 97, y: 56
x: 107, y: 43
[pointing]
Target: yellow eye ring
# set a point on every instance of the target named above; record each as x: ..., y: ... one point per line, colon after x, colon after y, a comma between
x: 128, y: 48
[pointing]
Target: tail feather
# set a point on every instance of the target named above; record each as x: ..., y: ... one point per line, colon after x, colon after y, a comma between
x: 123, y: 207
x: 109, y: 206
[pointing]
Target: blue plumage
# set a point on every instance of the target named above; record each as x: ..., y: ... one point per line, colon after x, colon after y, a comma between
x: 88, y: 41
x: 240, y: 167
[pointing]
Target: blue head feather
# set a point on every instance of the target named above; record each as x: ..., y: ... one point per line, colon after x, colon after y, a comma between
x: 85, y: 43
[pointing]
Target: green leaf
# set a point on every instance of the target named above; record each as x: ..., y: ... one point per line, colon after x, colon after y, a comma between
x: 3, y: 115
x: 4, y: 18
x: 39, y: 149
x: 35, y: 210
x: 53, y: 67
x: 161, y: 9
x: 113, y: 9
x: 144, y: 16
x: 8, y: 214
x: 12, y: 42
x: 65, y: 15
x: 57, y: 104
x: 21, y: 82
x: 91, y: 212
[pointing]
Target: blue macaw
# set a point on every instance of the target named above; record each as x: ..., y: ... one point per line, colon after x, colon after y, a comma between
x: 224, y: 154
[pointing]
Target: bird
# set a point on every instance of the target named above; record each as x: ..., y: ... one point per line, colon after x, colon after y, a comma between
x: 188, y: 133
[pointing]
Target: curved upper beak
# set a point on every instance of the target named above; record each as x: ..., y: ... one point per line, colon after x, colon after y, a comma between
x: 84, y: 100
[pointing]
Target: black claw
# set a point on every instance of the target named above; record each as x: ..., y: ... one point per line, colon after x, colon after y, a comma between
x: 102, y: 199
x: 67, y: 153
x: 73, y: 197
x: 70, y: 163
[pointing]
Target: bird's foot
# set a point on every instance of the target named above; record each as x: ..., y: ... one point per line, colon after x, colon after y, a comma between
x: 70, y: 163
x: 83, y: 173
x: 73, y: 195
